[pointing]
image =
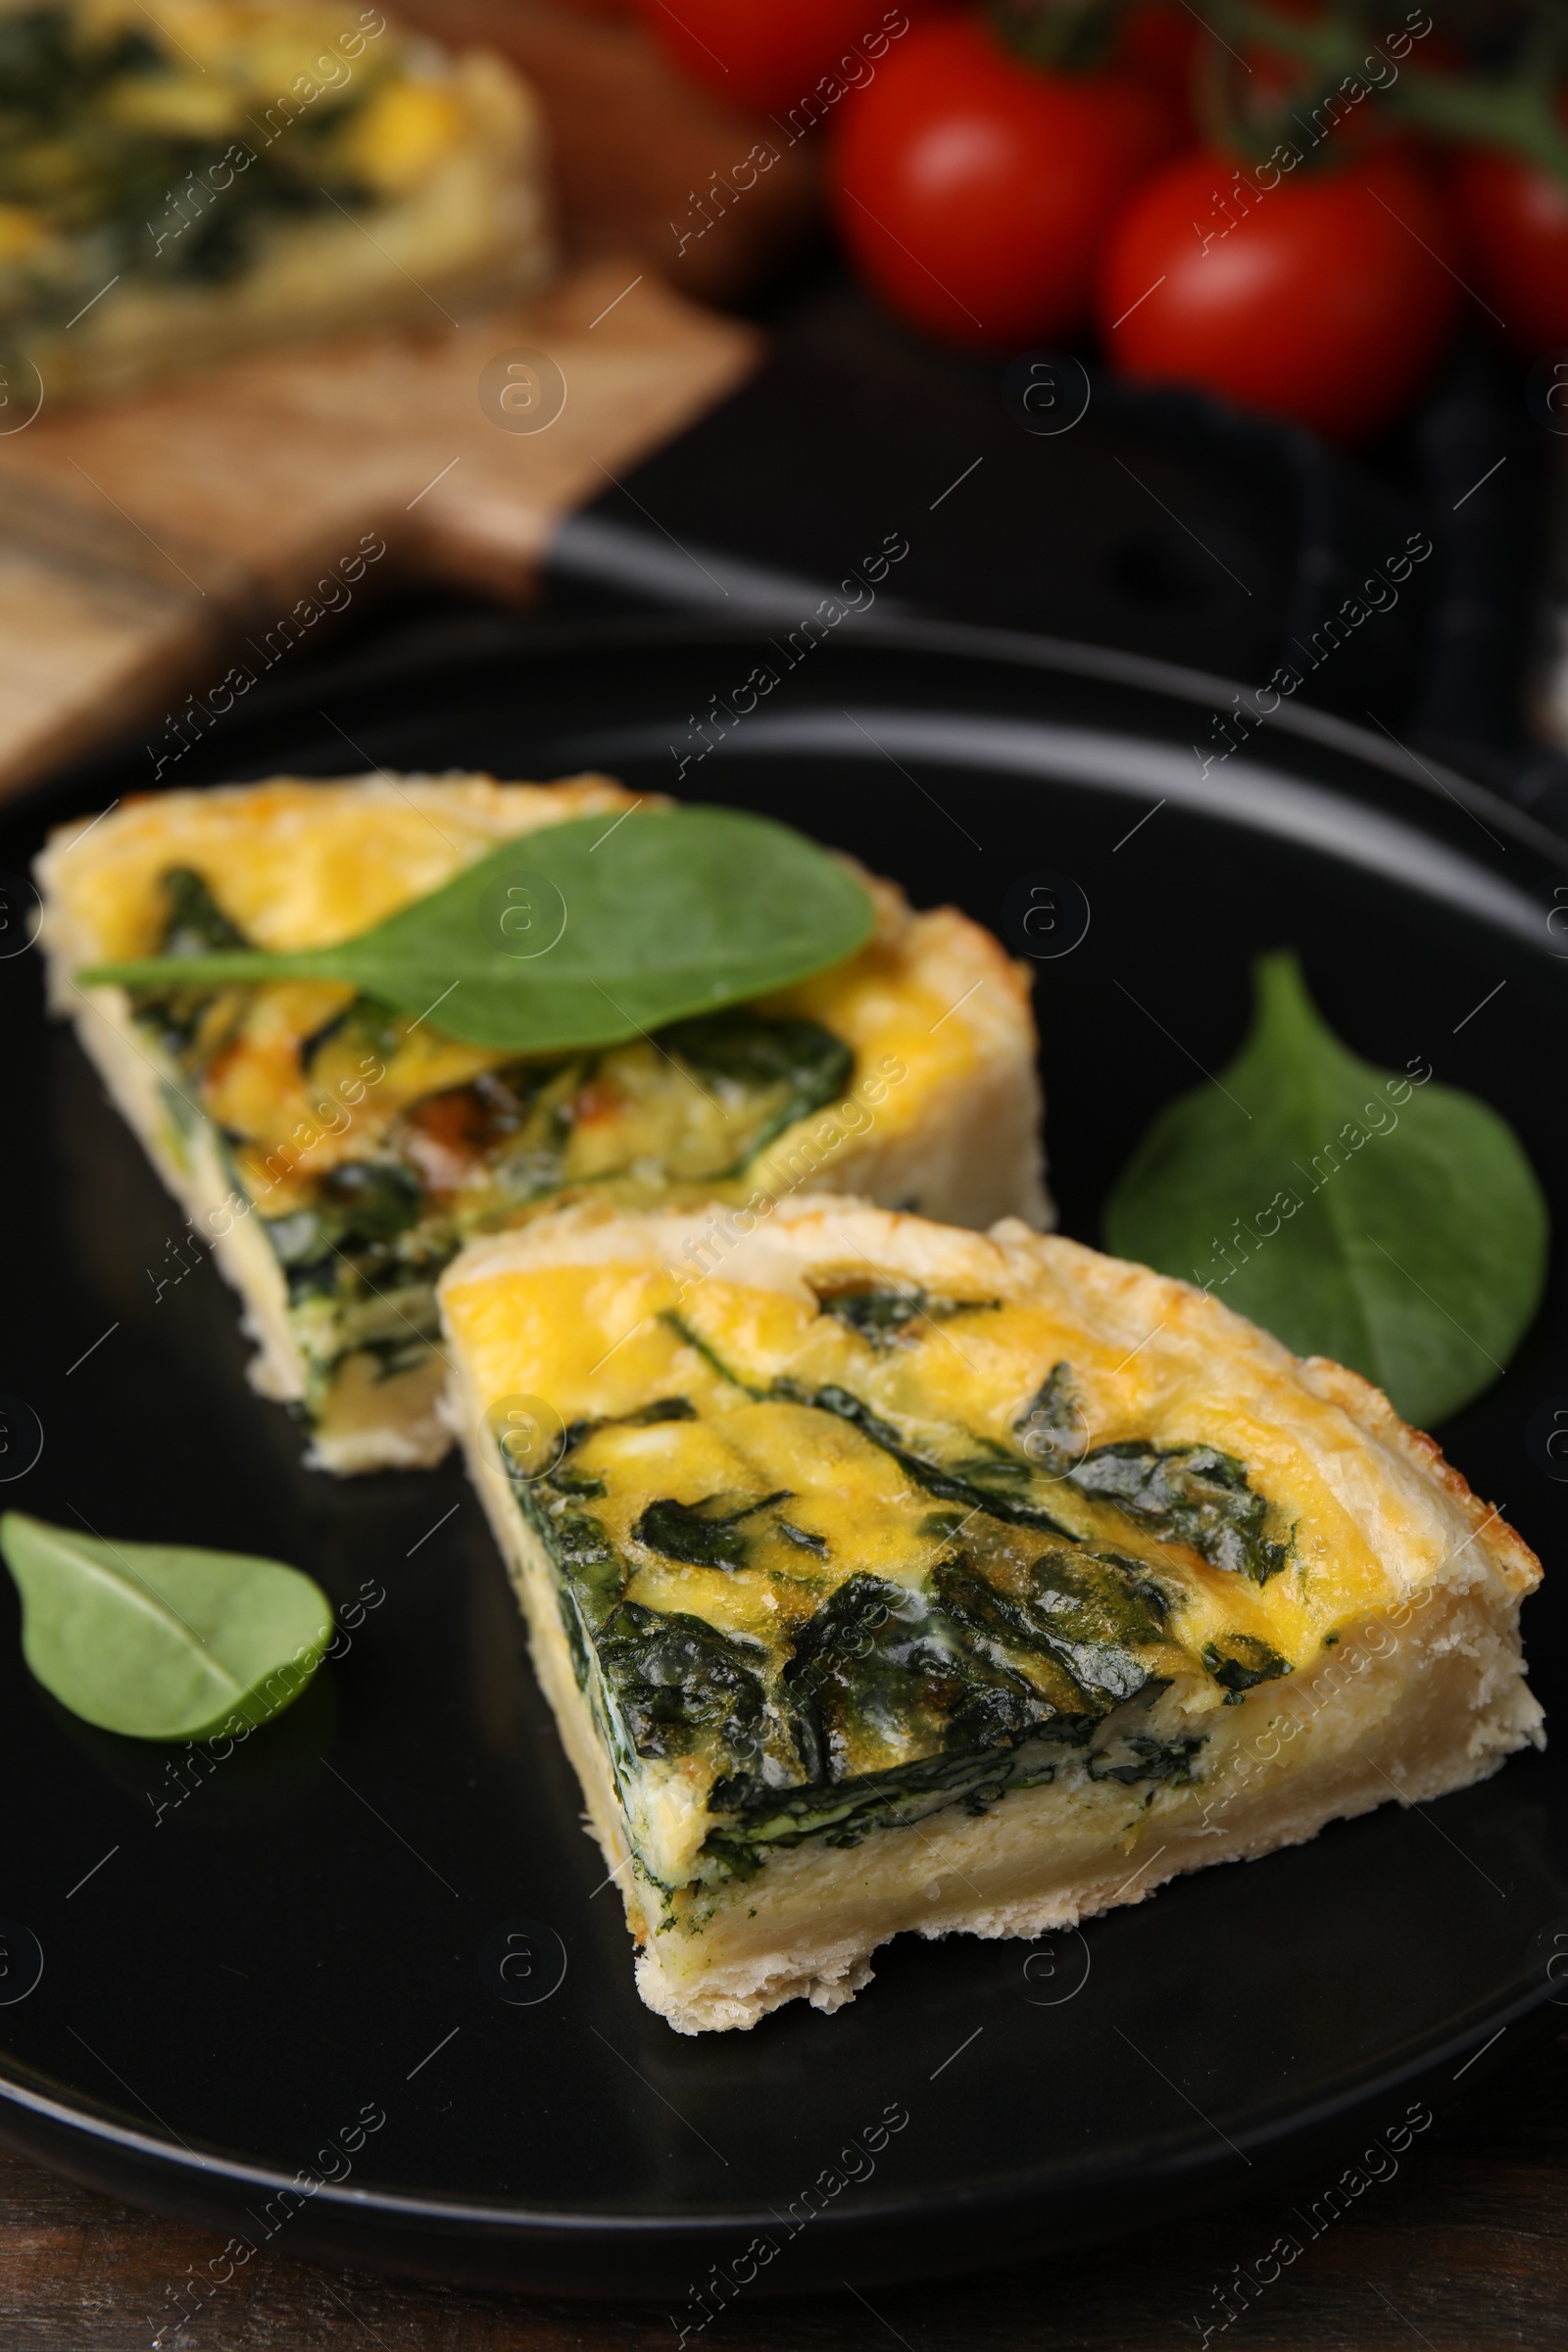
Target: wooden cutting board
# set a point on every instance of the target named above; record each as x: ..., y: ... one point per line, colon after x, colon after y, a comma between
x: 147, y: 546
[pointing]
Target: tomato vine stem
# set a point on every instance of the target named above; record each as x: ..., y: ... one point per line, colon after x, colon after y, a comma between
x: 1517, y: 107
x: 1516, y: 110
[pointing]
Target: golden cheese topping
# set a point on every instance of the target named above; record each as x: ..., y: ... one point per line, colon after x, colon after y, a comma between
x: 600, y: 1342
x: 297, y: 863
x: 822, y: 1551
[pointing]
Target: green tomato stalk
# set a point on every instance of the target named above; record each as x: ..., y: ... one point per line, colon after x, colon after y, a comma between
x: 1065, y: 36
x: 1515, y: 108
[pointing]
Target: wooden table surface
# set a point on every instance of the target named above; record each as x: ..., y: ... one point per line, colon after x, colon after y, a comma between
x: 1465, y: 2250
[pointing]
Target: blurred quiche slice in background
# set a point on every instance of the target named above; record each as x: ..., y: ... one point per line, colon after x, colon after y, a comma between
x: 179, y: 187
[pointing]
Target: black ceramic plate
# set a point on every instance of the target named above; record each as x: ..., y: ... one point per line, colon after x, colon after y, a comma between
x: 241, y: 1964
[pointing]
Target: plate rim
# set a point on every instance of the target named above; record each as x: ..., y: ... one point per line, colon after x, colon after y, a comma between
x: 517, y: 636
x: 998, y: 2192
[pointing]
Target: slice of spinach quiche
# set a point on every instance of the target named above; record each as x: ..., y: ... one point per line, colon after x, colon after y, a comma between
x: 887, y: 1577
x: 186, y: 181
x: 336, y: 1154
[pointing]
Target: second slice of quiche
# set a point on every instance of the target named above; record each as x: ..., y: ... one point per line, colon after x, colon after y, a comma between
x: 897, y: 1578
x: 336, y: 1155
x: 182, y: 183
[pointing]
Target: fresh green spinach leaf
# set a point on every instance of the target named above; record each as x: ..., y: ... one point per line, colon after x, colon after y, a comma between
x: 1381, y: 1220
x: 580, y: 935
x: 158, y: 1640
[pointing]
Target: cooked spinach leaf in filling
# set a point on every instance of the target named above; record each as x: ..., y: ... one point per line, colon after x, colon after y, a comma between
x: 1188, y: 1495
x: 1239, y: 1662
x: 1191, y: 1495
x: 883, y: 1317
x: 707, y: 1533
x: 997, y: 1647
x: 678, y: 1683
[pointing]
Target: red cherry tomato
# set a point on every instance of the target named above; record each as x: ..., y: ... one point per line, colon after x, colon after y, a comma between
x: 975, y: 191
x: 1514, y: 223
x: 771, y: 54
x: 1323, y: 300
